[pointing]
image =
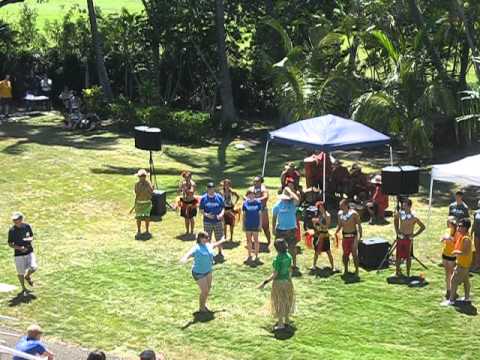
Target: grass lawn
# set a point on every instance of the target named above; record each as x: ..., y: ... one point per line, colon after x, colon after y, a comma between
x: 98, y: 287
x: 54, y: 9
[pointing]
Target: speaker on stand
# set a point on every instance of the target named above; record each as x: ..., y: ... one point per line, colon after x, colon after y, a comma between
x: 150, y: 139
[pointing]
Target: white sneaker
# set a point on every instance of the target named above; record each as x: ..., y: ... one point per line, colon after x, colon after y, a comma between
x: 447, y: 303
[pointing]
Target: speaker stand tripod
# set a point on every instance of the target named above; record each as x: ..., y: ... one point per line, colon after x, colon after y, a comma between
x: 153, y: 177
x: 390, y: 253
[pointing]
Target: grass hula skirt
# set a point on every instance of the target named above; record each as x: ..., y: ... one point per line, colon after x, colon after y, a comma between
x: 282, y: 301
x: 143, y: 209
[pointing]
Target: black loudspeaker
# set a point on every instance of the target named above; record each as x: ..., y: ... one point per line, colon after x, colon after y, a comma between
x: 371, y: 252
x: 147, y: 138
x: 159, y: 205
x: 400, y: 180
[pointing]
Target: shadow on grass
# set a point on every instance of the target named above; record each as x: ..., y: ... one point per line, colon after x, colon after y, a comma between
x: 130, y: 171
x: 323, y: 273
x: 201, y: 317
x: 466, y: 308
x: 264, y: 248
x: 54, y: 135
x: 350, y: 278
x: 229, y: 245
x: 412, y: 281
x: 186, y: 237
x: 282, y: 334
x: 21, y: 298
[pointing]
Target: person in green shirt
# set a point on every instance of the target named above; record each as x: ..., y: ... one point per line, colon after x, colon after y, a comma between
x: 282, y: 295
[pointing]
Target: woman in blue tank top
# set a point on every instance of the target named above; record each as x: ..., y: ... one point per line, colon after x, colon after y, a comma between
x: 202, y: 254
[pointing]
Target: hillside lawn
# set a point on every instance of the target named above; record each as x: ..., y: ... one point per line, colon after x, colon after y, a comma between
x: 99, y: 288
x: 54, y: 9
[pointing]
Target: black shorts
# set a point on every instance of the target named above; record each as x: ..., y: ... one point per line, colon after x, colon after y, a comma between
x: 289, y: 236
x: 325, y: 244
x: 198, y: 276
x: 449, y: 258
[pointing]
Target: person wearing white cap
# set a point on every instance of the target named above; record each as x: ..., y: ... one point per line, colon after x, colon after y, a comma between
x: 20, y: 237
x: 31, y: 344
x: 143, y: 202
x: 379, y: 202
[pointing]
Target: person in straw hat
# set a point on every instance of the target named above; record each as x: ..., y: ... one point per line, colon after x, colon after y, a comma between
x: 378, y: 203
x: 282, y: 298
x: 20, y: 237
x: 143, y: 202
x: 32, y: 345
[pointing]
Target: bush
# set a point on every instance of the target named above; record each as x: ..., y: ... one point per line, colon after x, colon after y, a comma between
x: 183, y: 126
x: 95, y: 102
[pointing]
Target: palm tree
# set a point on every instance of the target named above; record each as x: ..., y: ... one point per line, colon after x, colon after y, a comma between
x: 98, y: 46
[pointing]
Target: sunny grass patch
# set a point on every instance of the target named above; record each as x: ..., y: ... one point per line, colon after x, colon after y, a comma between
x: 99, y: 288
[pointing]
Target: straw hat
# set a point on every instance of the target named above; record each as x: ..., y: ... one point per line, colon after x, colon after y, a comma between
x: 142, y: 172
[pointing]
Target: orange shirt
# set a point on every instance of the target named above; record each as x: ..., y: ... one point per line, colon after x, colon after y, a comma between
x: 463, y: 260
x: 5, y: 89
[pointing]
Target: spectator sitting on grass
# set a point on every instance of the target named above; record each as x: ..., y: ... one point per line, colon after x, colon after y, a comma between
x: 32, y: 345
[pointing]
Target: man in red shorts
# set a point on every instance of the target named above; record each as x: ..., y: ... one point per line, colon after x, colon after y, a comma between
x: 351, y: 227
x: 405, y: 222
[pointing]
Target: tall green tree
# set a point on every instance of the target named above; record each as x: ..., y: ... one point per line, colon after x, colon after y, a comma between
x: 99, y: 55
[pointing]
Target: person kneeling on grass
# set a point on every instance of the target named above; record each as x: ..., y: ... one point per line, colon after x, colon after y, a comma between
x: 202, y: 254
x: 32, y: 345
x: 20, y: 237
x: 463, y: 252
x: 252, y: 224
x: 143, y: 202
x: 282, y: 295
x: 448, y: 258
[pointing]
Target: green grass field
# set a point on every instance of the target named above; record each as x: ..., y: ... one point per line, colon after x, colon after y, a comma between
x: 54, y: 9
x: 98, y: 287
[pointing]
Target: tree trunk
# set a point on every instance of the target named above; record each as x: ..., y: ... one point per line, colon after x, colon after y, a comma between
x: 432, y: 51
x: 225, y: 83
x: 462, y: 78
x: 151, y: 11
x: 270, y: 8
x: 469, y: 33
x: 98, y: 46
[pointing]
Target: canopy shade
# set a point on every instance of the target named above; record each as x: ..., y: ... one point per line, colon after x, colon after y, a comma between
x: 329, y: 133
x: 463, y: 172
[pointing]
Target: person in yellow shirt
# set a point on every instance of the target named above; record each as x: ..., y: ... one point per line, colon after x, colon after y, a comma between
x: 5, y: 95
x: 448, y: 259
x: 463, y: 252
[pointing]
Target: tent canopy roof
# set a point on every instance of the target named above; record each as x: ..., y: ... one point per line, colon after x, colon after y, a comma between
x: 463, y: 172
x: 329, y: 133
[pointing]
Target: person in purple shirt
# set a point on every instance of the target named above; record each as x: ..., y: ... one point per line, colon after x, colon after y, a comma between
x: 32, y: 345
x: 212, y: 206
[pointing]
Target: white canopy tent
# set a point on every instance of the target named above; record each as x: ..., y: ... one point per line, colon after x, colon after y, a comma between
x: 462, y: 172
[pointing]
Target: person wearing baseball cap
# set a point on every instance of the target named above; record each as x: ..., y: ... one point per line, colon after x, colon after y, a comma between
x: 20, y: 237
x: 32, y: 345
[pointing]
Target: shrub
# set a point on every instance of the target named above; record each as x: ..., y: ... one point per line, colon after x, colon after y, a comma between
x: 95, y: 102
x: 125, y: 114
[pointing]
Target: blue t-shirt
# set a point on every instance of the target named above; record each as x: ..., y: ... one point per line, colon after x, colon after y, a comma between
x: 29, y: 346
x: 212, y: 205
x: 286, y: 213
x: 202, y: 258
x: 251, y: 210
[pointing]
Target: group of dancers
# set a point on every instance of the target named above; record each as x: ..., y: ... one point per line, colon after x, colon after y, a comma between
x: 224, y: 208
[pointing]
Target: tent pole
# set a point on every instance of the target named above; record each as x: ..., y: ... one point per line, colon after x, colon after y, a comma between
x: 324, y: 169
x: 391, y: 155
x: 430, y: 196
x: 265, y: 158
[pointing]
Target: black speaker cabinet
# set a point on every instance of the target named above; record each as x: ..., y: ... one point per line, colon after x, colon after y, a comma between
x: 371, y: 252
x: 400, y: 180
x: 159, y: 205
x: 147, y: 138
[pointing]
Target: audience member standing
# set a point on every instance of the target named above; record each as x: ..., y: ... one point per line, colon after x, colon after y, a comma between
x: 252, y: 225
x: 212, y: 207
x: 458, y: 208
x: 20, y: 237
x: 5, y: 95
x: 476, y: 237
